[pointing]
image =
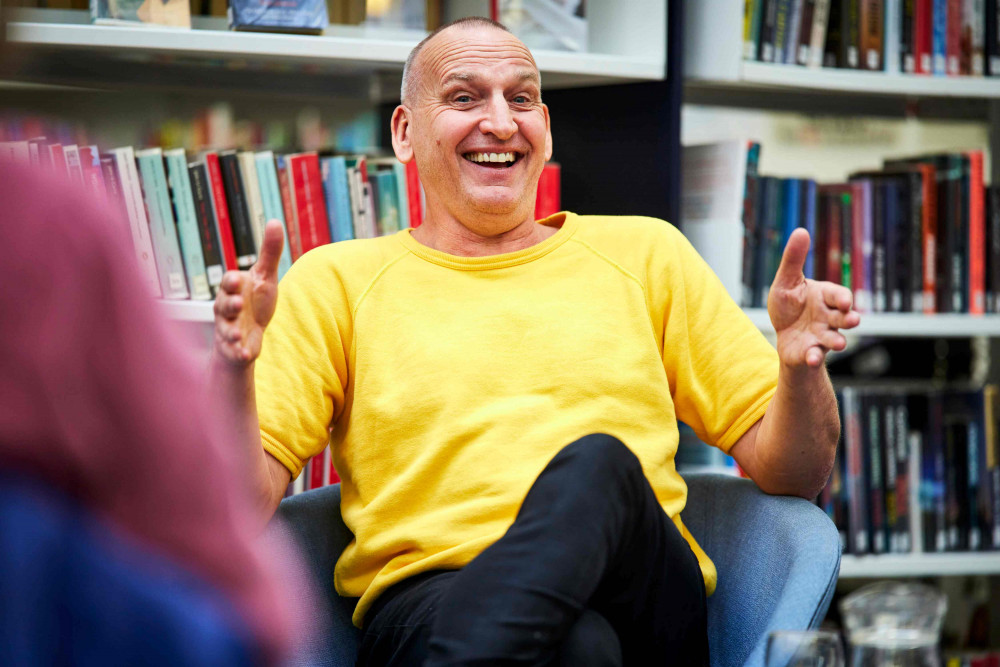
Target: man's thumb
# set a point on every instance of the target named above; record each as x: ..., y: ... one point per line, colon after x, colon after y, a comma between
x: 793, y: 260
x: 270, y: 249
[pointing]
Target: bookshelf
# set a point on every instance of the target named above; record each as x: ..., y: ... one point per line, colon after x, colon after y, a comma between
x: 67, y: 49
x: 920, y: 565
x: 906, y: 324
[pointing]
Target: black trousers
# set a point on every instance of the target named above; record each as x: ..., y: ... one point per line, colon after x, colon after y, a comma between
x: 592, y: 572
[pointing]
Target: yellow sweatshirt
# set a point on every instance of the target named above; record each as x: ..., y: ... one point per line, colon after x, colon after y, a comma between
x: 445, y: 384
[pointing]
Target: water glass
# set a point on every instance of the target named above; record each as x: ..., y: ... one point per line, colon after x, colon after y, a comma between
x: 804, y: 648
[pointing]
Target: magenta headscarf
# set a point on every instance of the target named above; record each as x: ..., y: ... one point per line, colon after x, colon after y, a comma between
x: 100, y: 400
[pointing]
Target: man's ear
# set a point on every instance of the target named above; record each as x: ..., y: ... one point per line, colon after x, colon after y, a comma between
x: 401, y: 143
x: 548, y: 134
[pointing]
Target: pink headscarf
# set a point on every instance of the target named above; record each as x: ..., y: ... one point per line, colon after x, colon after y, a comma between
x: 98, y: 398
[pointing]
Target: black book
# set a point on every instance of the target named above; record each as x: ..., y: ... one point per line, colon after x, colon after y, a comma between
x: 751, y: 226
x: 956, y: 473
x: 856, y: 486
x: 894, y: 268
x: 907, y: 40
x: 239, y: 212
x: 769, y: 232
x: 872, y: 437
x: 805, y: 32
x: 832, y: 47
x: 850, y: 34
x: 904, y: 483
x: 992, y: 17
x: 211, y: 248
x: 765, y: 48
x: 935, y: 528
x: 890, y: 472
x: 912, y: 248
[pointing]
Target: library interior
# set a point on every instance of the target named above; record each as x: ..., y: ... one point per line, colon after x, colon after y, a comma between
x: 189, y: 126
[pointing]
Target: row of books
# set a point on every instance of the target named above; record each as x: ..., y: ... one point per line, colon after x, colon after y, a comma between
x: 190, y: 220
x: 916, y: 472
x: 921, y: 235
x: 973, y: 659
x: 931, y: 37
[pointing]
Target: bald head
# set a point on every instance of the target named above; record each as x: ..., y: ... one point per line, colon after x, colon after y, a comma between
x: 411, y: 69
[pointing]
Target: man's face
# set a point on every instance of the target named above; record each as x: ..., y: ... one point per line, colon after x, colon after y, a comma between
x: 477, y: 99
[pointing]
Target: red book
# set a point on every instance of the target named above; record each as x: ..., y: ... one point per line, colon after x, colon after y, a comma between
x: 977, y: 235
x: 953, y: 42
x: 547, y: 200
x: 413, y: 194
x: 307, y: 195
x: 858, y: 205
x: 58, y: 160
x: 90, y: 164
x: 291, y: 221
x: 316, y: 472
x: 221, y: 211
x: 922, y: 30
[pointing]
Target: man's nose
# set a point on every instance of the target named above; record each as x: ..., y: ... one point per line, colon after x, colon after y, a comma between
x: 499, y: 120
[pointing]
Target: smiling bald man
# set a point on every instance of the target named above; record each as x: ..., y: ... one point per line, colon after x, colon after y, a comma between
x: 502, y: 394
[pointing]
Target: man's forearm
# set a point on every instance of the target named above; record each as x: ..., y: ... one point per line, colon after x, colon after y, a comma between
x: 236, y: 385
x: 797, y: 441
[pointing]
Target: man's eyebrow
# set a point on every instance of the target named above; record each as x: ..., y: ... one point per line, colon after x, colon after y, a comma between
x: 470, y: 77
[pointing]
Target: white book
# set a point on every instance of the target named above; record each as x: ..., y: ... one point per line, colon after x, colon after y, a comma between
x: 916, y: 518
x: 18, y: 152
x: 893, y: 35
x: 163, y: 230
x: 187, y: 223
x: 712, y: 192
x: 73, y: 165
x: 817, y: 41
x: 255, y: 204
x: 978, y: 38
x: 136, y: 211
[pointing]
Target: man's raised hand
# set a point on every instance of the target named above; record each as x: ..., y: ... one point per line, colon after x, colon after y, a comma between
x: 245, y: 302
x: 807, y: 314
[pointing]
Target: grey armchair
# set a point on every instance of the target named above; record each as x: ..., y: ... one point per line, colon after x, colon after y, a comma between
x: 778, y: 559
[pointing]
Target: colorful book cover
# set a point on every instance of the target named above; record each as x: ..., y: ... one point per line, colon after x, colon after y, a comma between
x: 208, y: 230
x: 161, y: 223
x: 288, y: 206
x: 307, y: 192
x: 301, y: 16
x: 179, y: 182
x: 220, y: 209
x: 239, y: 212
x: 175, y: 13
x: 338, y: 198
x: 939, y: 38
x: 255, y: 204
x: 270, y: 193
x: 136, y: 213
x: 388, y: 204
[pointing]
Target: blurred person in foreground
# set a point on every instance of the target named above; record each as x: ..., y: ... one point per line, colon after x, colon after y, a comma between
x: 127, y: 535
x: 503, y: 392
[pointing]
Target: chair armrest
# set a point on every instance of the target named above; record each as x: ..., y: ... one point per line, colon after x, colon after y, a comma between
x: 778, y: 560
x: 314, y: 520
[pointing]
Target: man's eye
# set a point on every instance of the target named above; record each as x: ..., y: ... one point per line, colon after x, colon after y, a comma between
x: 522, y: 99
x: 463, y: 99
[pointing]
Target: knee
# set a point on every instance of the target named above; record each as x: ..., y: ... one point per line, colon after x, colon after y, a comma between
x: 603, y: 454
x: 591, y: 642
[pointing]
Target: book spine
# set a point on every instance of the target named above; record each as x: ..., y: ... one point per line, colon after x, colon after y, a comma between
x: 873, y: 460
x: 288, y: 204
x: 851, y: 34
x: 974, y: 442
x: 552, y: 189
x: 992, y: 38
x: 307, y: 185
x: 923, y: 28
x: 71, y: 153
x: 901, y: 450
x: 978, y: 37
x: 991, y: 459
x: 57, y: 160
x: 750, y: 7
x: 869, y: 270
x: 929, y: 229
x: 939, y: 38
x: 136, y: 210
x: 547, y: 199
x: 953, y: 38
x: 751, y: 221
x: 414, y: 195
x: 161, y: 224
x: 804, y: 40
x: 208, y: 231
x: 843, y: 203
x: 893, y: 39
x: 993, y: 255
x: 236, y: 200
x: 894, y: 235
x: 270, y: 193
x: 342, y: 197
x: 221, y: 210
x: 179, y: 184
x: 834, y: 245
x: 880, y: 291
x: 808, y: 220
x: 965, y: 37
x: 792, y: 31
x: 255, y: 203
x: 890, y: 473
x: 817, y: 40
x: 767, y: 30
x: 327, y: 172
x: 833, y: 46
x: 938, y: 476
x: 907, y: 37
x: 872, y: 25
x: 857, y: 497
x: 913, y: 290
x: 977, y: 235
x: 113, y: 185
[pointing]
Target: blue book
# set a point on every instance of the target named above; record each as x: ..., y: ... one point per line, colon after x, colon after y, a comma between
x: 809, y: 208
x: 162, y: 228
x: 338, y: 199
x: 187, y: 223
x: 300, y: 16
x: 939, y: 38
x: 790, y: 208
x: 270, y: 194
x: 891, y: 212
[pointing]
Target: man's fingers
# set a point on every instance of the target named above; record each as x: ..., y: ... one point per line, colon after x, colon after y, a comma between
x: 793, y: 260
x: 232, y: 282
x: 837, y: 296
x: 832, y: 340
x: 270, y: 250
x: 839, y: 320
x: 228, y: 307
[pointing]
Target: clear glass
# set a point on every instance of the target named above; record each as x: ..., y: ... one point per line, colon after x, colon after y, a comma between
x: 894, y: 625
x: 804, y: 648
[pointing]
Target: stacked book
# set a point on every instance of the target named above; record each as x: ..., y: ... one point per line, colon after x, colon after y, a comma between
x: 929, y: 37
x: 917, y: 472
x: 920, y: 235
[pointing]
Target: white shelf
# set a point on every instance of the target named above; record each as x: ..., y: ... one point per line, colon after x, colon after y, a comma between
x: 343, y: 50
x: 906, y: 324
x: 188, y: 311
x: 839, y: 81
x: 919, y: 565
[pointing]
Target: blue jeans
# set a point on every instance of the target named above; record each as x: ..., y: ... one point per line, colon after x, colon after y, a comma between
x: 592, y: 572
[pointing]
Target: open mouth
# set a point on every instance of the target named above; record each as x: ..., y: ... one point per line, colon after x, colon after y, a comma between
x: 493, y: 160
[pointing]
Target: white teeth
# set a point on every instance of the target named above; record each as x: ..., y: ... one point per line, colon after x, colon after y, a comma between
x: 490, y: 157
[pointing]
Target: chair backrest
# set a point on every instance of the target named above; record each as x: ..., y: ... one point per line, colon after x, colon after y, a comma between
x: 778, y: 560
x: 777, y: 557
